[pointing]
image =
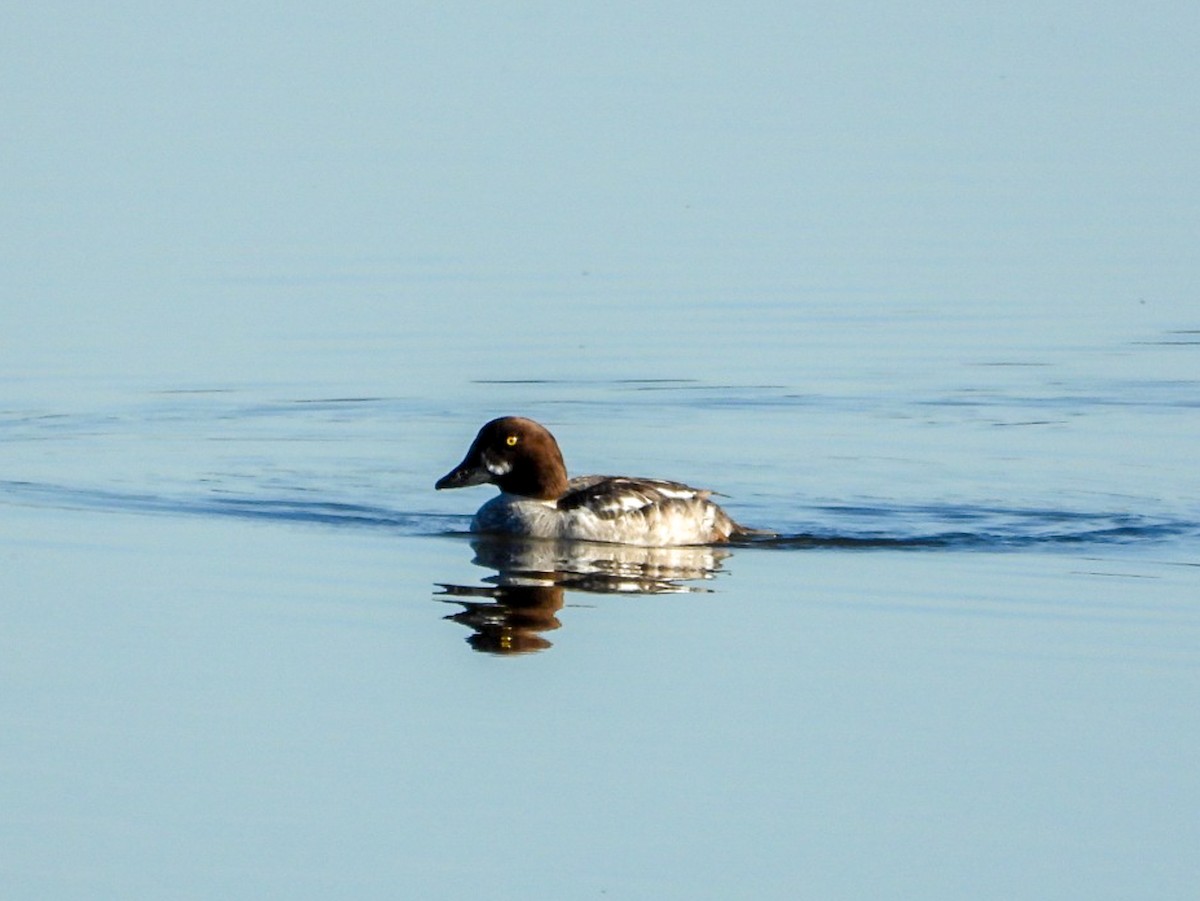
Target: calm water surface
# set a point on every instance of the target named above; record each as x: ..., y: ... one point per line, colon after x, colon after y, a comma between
x: 250, y: 651
x: 917, y: 291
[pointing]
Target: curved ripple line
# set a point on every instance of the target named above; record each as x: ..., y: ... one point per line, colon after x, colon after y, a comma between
x: 279, y: 509
x: 864, y: 527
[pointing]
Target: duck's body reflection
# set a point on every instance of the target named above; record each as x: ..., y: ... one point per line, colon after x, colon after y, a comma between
x: 532, y: 576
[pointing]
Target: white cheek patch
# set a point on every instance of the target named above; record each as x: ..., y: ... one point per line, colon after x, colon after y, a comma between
x: 495, y: 466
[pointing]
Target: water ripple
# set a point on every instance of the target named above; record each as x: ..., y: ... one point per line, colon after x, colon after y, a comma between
x: 861, y: 526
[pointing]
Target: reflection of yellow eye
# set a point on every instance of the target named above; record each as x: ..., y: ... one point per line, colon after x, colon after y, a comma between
x: 511, y: 440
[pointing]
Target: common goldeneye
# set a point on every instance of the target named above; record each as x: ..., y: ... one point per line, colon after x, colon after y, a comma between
x: 538, y: 501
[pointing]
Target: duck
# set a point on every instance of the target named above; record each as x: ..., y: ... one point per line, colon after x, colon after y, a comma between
x: 538, y: 500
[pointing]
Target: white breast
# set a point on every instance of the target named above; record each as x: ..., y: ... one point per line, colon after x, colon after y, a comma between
x: 619, y: 518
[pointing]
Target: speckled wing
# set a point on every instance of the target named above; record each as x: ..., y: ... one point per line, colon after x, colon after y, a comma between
x: 609, y: 497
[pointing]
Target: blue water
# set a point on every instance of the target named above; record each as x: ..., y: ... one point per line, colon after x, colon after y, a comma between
x: 1086, y: 458
x: 915, y: 290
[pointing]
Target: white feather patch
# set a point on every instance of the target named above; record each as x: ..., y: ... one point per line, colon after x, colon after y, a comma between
x: 496, y: 467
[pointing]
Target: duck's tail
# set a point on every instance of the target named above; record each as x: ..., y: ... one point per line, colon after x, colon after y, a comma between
x: 745, y: 533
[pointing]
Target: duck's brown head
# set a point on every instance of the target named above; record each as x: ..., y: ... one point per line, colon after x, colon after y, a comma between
x: 516, y: 454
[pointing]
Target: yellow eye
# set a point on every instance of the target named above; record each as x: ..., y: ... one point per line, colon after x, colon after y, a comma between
x: 511, y: 440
